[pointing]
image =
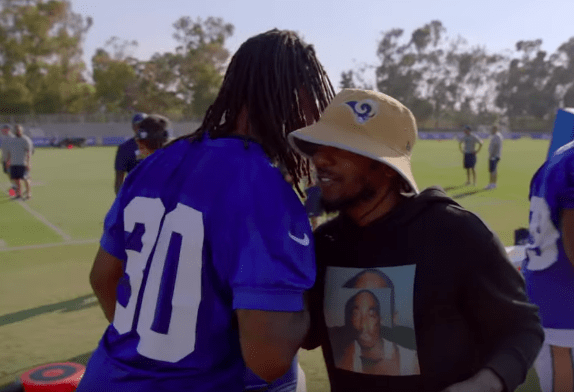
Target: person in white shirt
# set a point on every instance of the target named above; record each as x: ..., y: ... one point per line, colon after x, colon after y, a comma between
x: 20, y: 150
x: 467, y: 146
x: 494, y: 152
x: 5, y: 136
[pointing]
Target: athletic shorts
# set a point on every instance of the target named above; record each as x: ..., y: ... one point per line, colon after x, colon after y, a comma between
x: 18, y: 172
x: 469, y: 160
x: 5, y: 167
x: 492, y: 164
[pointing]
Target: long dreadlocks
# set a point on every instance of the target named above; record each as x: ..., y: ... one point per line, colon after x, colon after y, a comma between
x: 273, y: 75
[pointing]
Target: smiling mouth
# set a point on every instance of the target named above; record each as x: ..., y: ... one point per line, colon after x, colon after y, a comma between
x: 325, y: 178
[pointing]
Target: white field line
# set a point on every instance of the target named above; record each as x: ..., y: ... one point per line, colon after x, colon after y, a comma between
x: 42, y: 246
x: 41, y: 217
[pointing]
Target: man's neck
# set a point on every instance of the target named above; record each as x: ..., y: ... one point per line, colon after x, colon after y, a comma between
x: 366, y: 212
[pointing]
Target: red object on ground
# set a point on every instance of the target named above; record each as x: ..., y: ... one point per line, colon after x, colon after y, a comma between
x: 53, y: 377
x: 70, y: 146
x: 12, y: 192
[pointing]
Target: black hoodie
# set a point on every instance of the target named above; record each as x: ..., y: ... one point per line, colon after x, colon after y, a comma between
x: 457, y: 303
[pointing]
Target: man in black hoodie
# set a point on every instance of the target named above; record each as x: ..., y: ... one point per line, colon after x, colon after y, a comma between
x: 453, y: 286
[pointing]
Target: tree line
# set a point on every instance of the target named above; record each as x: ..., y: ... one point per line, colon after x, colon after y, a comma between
x: 42, y: 71
x: 448, y: 83
x: 442, y: 79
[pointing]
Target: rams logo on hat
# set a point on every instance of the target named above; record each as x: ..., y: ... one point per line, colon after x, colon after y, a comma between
x: 363, y: 110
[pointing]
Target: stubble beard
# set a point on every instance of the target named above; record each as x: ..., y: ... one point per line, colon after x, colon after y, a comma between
x: 365, y: 194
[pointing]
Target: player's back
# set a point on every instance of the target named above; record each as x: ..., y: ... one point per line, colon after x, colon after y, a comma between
x: 547, y: 269
x: 127, y: 156
x: 179, y: 221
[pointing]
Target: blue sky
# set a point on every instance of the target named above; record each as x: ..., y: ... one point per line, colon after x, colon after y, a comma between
x: 344, y: 33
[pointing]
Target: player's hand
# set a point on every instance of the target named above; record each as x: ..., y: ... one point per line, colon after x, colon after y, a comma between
x: 483, y: 381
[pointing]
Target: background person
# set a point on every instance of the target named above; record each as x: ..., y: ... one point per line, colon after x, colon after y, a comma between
x: 5, y: 136
x: 494, y: 153
x: 475, y: 329
x: 20, y: 149
x: 549, y: 267
x: 313, y: 204
x: 467, y: 146
x: 206, y: 251
x: 152, y: 134
x: 127, y: 154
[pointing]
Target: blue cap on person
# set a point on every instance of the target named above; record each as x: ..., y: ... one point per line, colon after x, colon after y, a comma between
x: 138, y: 118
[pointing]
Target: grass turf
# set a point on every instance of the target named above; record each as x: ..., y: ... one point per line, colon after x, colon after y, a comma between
x: 47, y: 310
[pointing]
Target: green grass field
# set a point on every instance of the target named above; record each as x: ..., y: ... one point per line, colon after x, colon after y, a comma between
x: 47, y: 245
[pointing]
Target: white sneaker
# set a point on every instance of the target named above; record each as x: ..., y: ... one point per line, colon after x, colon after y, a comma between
x: 489, y: 186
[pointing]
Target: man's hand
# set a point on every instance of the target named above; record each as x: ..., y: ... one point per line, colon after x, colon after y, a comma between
x: 483, y: 381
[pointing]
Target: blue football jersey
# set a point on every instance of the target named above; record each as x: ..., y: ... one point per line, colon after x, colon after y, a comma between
x: 203, y: 228
x: 548, y: 272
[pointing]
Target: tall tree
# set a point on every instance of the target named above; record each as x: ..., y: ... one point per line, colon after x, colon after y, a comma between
x: 113, y: 77
x: 563, y: 73
x: 526, y: 89
x: 434, y: 75
x: 41, y: 69
x: 200, y: 60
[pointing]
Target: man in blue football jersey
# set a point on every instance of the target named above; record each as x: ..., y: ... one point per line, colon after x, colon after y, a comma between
x: 549, y: 267
x: 206, y: 251
x: 127, y: 154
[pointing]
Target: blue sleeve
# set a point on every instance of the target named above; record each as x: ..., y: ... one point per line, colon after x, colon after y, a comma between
x: 271, y: 252
x: 565, y: 193
x: 121, y: 160
x: 112, y: 240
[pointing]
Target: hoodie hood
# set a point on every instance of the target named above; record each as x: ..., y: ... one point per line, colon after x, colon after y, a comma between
x: 417, y: 204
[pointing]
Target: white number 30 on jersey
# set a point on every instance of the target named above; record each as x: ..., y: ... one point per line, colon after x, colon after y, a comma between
x: 544, y: 251
x: 164, y: 335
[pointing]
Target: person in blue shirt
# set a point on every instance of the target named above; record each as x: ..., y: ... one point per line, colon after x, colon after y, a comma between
x: 127, y: 154
x: 313, y: 204
x: 549, y: 267
x: 206, y: 252
x: 151, y: 135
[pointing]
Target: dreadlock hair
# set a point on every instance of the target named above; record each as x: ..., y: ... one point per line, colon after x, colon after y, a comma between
x: 268, y: 75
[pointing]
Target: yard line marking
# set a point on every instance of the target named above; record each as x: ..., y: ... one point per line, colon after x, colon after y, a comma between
x: 42, y: 219
x: 45, y: 221
x: 52, y: 245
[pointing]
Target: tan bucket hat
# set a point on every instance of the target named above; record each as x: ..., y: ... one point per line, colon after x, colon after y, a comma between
x: 367, y: 123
